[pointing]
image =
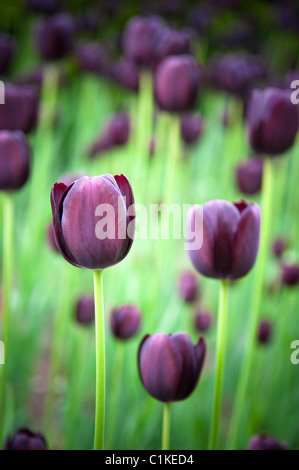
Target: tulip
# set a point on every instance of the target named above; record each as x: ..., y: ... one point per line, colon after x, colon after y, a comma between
x: 15, y: 160
x: 91, y: 57
x: 74, y: 211
x: 249, y: 175
x: 168, y: 42
x: 20, y: 111
x: 264, y: 332
x: 188, y: 286
x: 84, y: 311
x: 289, y: 274
x: 125, y: 321
x: 230, y: 239
x: 203, y: 320
x: 191, y: 128
x: 115, y: 134
x: 126, y: 74
x: 272, y: 121
x: 25, y: 439
x: 265, y: 442
x: 279, y: 246
x: 177, y: 81
x: 47, y: 7
x: 7, y: 52
x: 54, y: 36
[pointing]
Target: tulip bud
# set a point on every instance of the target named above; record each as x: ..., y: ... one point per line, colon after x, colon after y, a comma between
x: 138, y: 39
x: 125, y: 321
x: 230, y: 238
x: 54, y: 36
x: 115, y: 134
x: 169, y: 42
x: 84, y: 240
x: 188, y: 287
x: 191, y: 128
x: 290, y: 274
x: 249, y: 176
x: 264, y: 442
x: 85, y: 311
x: 272, y: 121
x: 279, y: 245
x: 170, y: 365
x: 24, y: 439
x: 177, y: 80
x: 20, y: 110
x: 203, y: 320
x: 7, y: 51
x: 15, y: 160
x: 126, y: 74
x: 264, y: 332
x: 90, y: 57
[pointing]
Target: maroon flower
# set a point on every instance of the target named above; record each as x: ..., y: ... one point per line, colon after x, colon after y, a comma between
x: 125, y: 321
x: 289, y: 274
x: 170, y: 365
x: 230, y: 238
x: 249, y: 175
x: 191, y: 128
x: 24, y: 439
x: 7, y: 52
x: 272, y: 121
x: 279, y: 245
x: 84, y: 311
x: 188, y: 286
x: 15, y: 160
x: 264, y: 442
x: 20, y: 110
x: 76, y: 211
x: 203, y: 320
x: 54, y: 36
x: 265, y: 331
x: 115, y: 134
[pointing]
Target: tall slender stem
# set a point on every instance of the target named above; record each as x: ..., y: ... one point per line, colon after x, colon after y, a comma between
x: 100, y: 361
x: 267, y: 194
x: 7, y: 288
x: 173, y: 152
x: 166, y: 426
x: 220, y: 360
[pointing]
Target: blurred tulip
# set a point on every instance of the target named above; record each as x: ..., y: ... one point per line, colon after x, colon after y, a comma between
x: 48, y: 7
x: 84, y: 311
x: 264, y: 442
x: 15, y: 160
x: 115, y: 134
x: 7, y: 52
x: 177, y: 81
x: 265, y: 331
x: 272, y: 121
x: 289, y: 274
x: 203, y: 320
x: 91, y: 57
x: 126, y: 73
x: 54, y: 36
x: 191, y: 128
x: 230, y: 242
x: 168, y: 42
x: 188, y: 286
x: 249, y: 176
x: 279, y: 245
x: 25, y: 439
x: 170, y: 365
x: 125, y: 321
x: 75, y: 211
x: 138, y: 39
x: 20, y: 110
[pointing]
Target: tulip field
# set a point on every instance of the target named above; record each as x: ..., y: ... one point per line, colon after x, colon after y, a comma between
x: 149, y: 257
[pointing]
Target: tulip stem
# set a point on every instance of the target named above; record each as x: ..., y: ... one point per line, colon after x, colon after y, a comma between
x: 220, y: 360
x: 166, y: 426
x: 8, y: 211
x: 100, y: 361
x: 173, y: 152
x: 266, y: 203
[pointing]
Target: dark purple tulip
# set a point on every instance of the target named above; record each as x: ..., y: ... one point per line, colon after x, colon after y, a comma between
x: 125, y: 321
x: 15, y: 160
x: 272, y: 121
x: 47, y: 7
x: 249, y: 175
x: 85, y: 312
x: 138, y: 39
x: 290, y: 274
x: 191, y: 128
x: 51, y: 237
x: 230, y: 238
x: 264, y: 442
x: 116, y: 133
x: 24, y: 439
x: 171, y: 42
x: 82, y: 238
x: 177, y: 81
x: 20, y: 111
x: 91, y: 57
x: 170, y: 365
x: 279, y: 245
x: 265, y: 332
x: 54, y: 36
x: 7, y: 51
x: 126, y: 73
x: 203, y: 320
x: 188, y: 286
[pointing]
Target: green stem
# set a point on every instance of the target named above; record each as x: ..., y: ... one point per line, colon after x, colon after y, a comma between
x: 100, y: 361
x: 173, y: 152
x: 166, y: 426
x: 220, y: 360
x: 267, y: 194
x: 8, y: 216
